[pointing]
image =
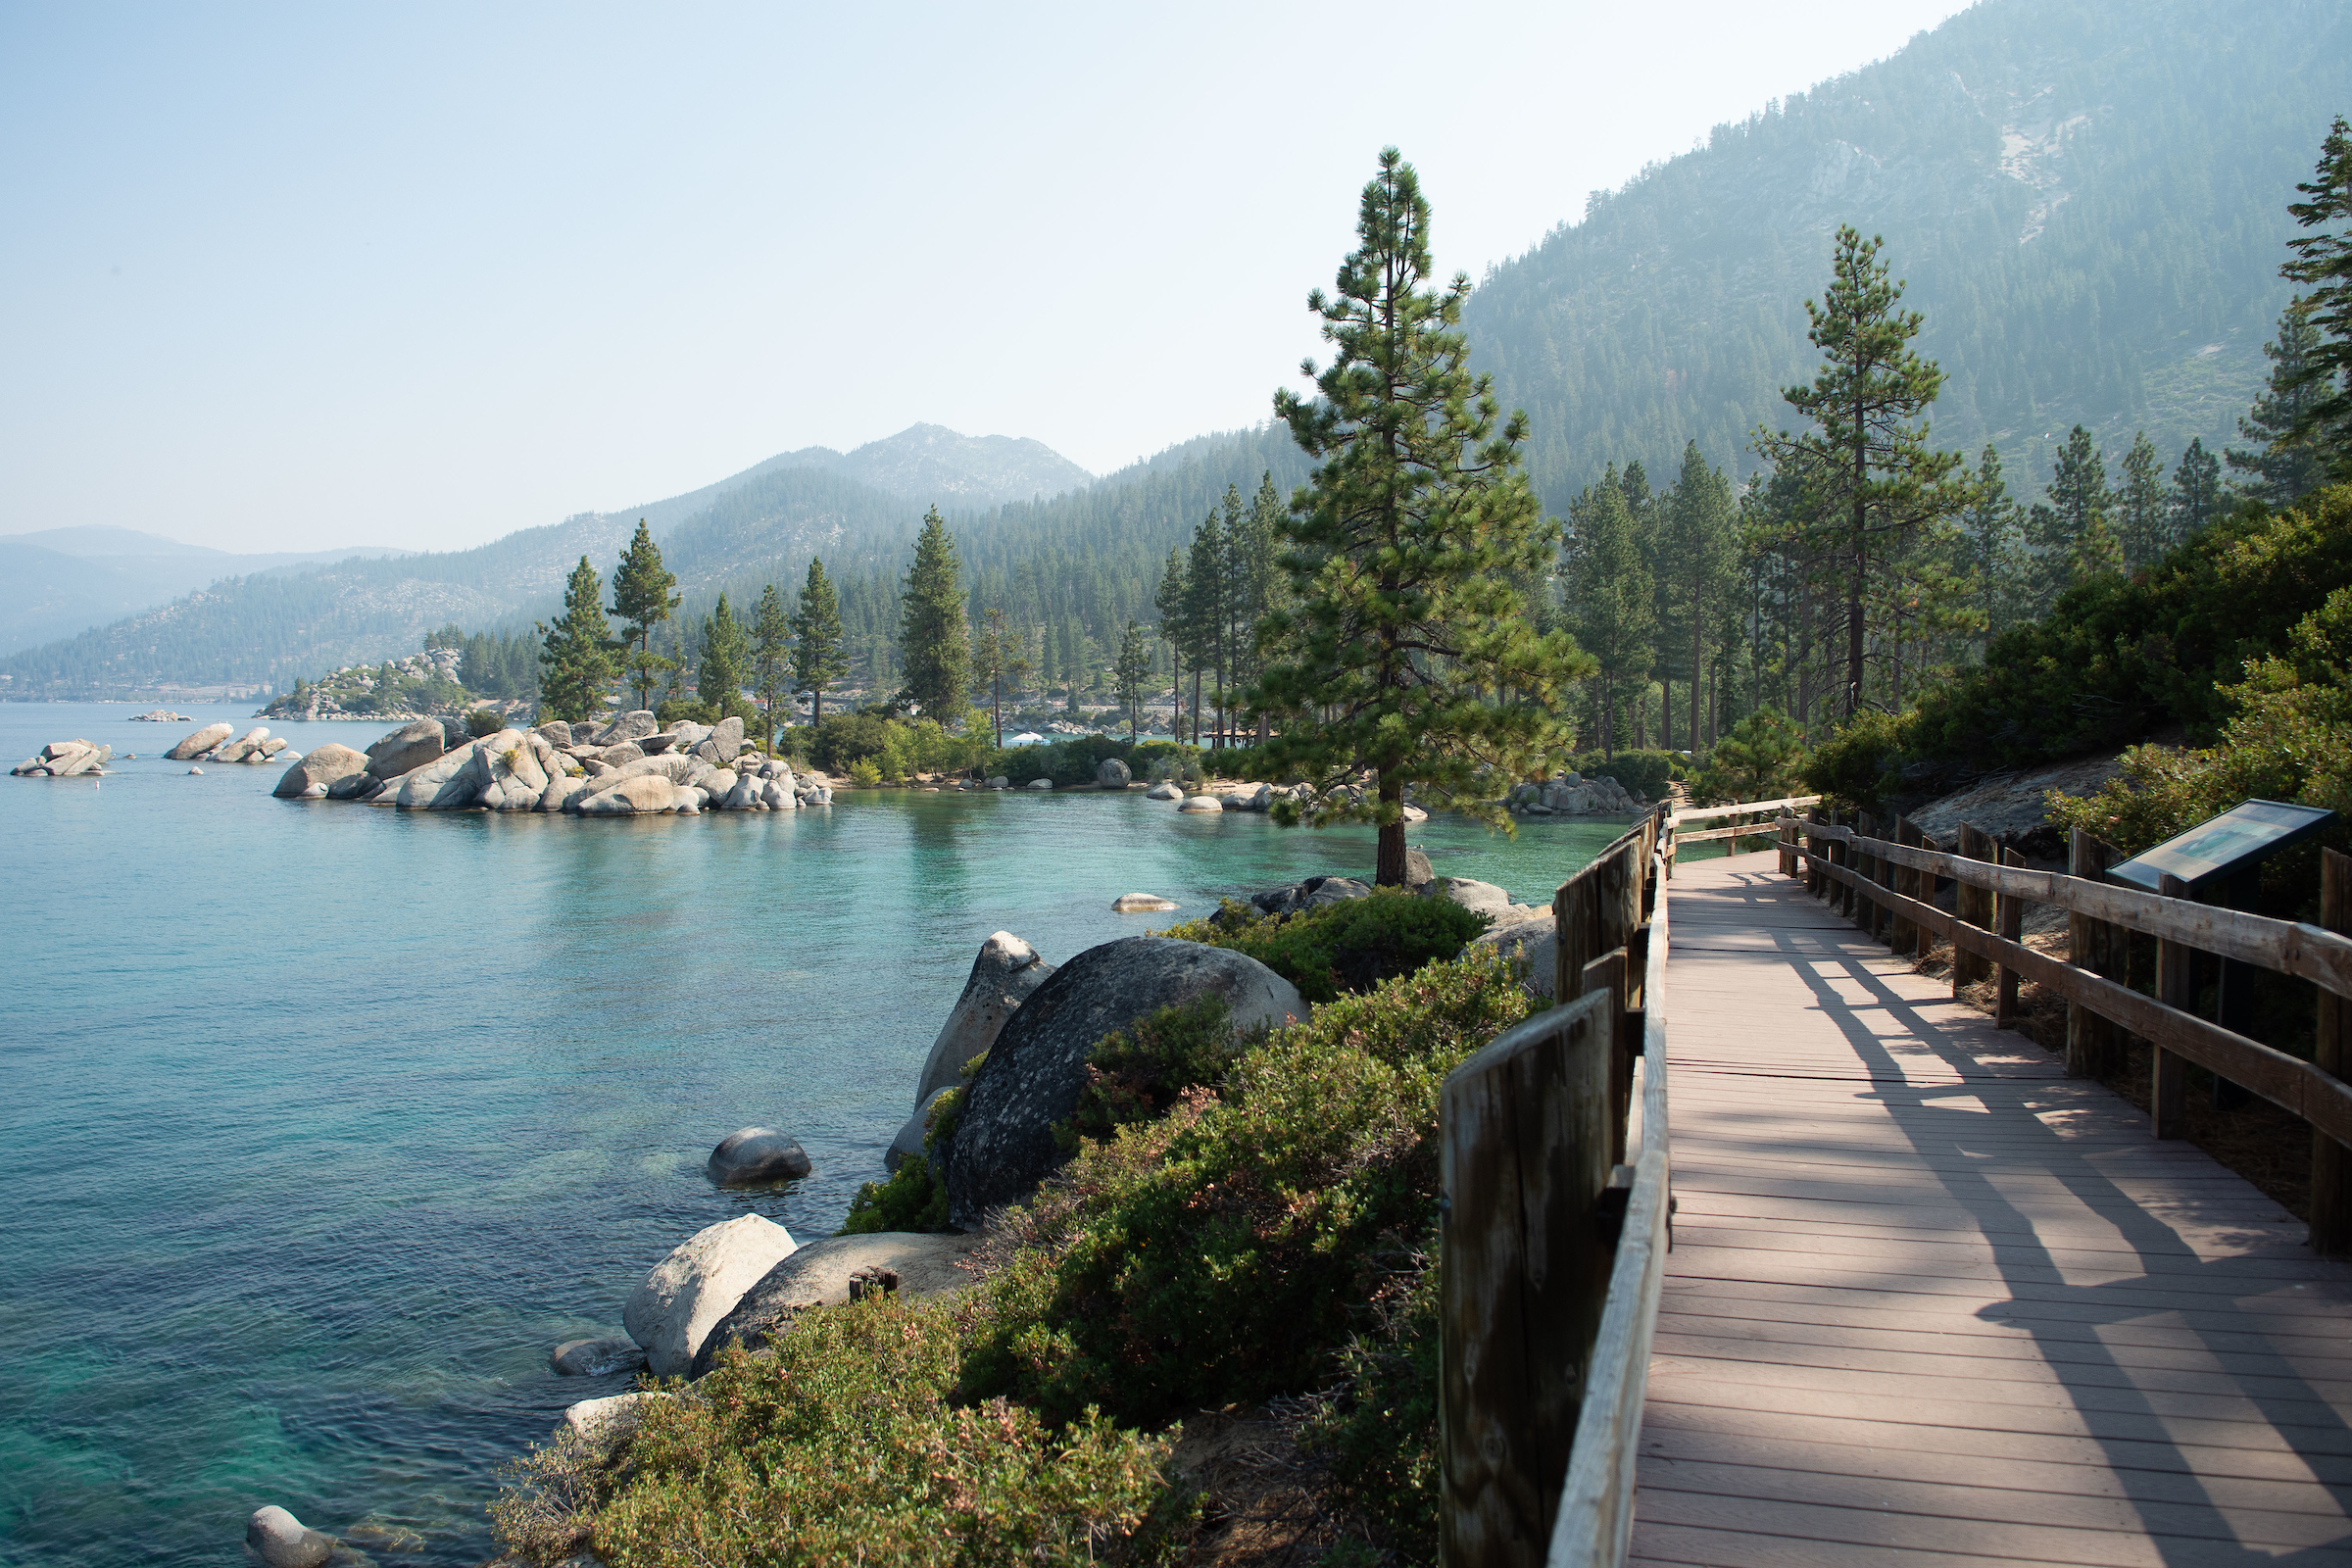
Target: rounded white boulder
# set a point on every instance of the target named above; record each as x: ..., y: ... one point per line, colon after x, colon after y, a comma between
x: 699, y: 1283
x: 275, y: 1538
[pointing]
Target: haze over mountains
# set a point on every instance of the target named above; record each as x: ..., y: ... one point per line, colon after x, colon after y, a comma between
x: 2086, y: 197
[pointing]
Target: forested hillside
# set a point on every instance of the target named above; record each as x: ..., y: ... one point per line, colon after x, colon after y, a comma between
x: 2087, y: 199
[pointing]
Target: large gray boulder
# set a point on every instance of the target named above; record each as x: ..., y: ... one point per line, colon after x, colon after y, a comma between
x: 196, y: 745
x: 628, y: 727
x: 447, y: 783
x: 1312, y: 894
x: 560, y: 792
x: 1003, y: 1144
x: 1112, y: 774
x: 749, y: 1155
x: 275, y: 1538
x: 1003, y: 976
x: 637, y: 794
x: 243, y: 745
x: 1531, y: 936
x: 819, y: 1274
x: 1165, y: 790
x: 1197, y: 804
x: 699, y: 1283
x: 407, y: 748
x: 725, y: 739
x: 320, y: 770
x: 1483, y: 897
x: 556, y: 732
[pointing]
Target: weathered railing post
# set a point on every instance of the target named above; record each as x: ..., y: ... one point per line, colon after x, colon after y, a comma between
x: 2331, y: 1052
x: 1523, y: 1155
x: 2175, y: 987
x: 1909, y: 938
x: 2010, y: 910
x: 2093, y: 1042
x: 1788, y: 839
x: 1974, y: 905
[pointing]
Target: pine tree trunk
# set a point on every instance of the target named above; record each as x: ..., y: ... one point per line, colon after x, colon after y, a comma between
x: 1698, y: 646
x: 1389, y: 867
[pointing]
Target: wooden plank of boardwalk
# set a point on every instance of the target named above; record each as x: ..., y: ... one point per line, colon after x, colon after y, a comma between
x: 1930, y: 1302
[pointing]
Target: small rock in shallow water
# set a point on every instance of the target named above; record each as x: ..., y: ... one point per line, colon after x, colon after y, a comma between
x: 198, y: 771
x: 595, y: 1359
x: 1141, y: 902
x: 275, y: 1538
x: 758, y: 1154
x: 613, y: 1417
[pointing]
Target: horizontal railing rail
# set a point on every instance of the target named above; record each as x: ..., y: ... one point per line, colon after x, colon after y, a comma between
x: 1708, y: 813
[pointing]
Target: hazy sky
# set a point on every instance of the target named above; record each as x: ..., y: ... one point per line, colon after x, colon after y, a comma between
x: 289, y: 277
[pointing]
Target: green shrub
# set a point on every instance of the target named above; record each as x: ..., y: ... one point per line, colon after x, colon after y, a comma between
x: 865, y: 774
x: 691, y: 710
x: 1068, y: 761
x: 839, y: 740
x: 1224, y: 1252
x: 2119, y: 655
x: 1138, y: 1073
x: 2288, y: 738
x: 844, y: 1446
x: 1643, y: 773
x: 1861, y: 762
x: 1378, y: 1430
x: 1350, y: 945
x: 913, y: 1199
x: 483, y: 721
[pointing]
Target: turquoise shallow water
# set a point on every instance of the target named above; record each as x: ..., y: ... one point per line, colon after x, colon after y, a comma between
x: 322, y: 1123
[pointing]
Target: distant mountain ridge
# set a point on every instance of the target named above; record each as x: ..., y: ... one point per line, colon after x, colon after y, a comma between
x: 2087, y: 198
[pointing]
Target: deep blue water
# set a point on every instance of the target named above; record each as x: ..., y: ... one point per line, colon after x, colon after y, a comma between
x: 322, y: 1123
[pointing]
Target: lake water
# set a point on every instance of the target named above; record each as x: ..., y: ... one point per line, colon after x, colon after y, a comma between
x: 322, y: 1123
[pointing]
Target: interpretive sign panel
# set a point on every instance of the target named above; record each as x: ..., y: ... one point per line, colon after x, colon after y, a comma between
x: 2219, y: 847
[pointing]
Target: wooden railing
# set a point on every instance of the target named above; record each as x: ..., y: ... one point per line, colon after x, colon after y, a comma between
x: 1891, y: 884
x: 1556, y: 1205
x: 1738, y: 830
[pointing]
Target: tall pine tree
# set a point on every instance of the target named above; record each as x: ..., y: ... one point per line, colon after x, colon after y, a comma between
x: 643, y: 598
x: 1869, y: 478
x: 771, y: 646
x: 819, y: 656
x: 933, y: 640
x: 2322, y: 421
x: 1616, y: 601
x: 725, y: 662
x: 576, y: 655
x: 2196, y: 498
x: 1405, y: 655
x: 2141, y: 525
x: 2280, y: 468
x: 1699, y: 558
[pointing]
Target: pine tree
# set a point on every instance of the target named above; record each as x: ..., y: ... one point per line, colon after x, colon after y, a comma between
x: 1868, y: 476
x: 1700, y: 552
x: 2196, y: 491
x: 1204, y: 618
x: 993, y: 657
x: 1406, y: 654
x: 2142, y: 526
x: 932, y: 637
x: 819, y: 656
x: 2073, y: 538
x: 1616, y: 599
x: 1993, y: 548
x: 641, y: 598
x: 576, y: 655
x: 1170, y: 601
x: 771, y: 641
x: 2323, y: 419
x: 1133, y: 668
x: 725, y: 662
x: 2283, y: 469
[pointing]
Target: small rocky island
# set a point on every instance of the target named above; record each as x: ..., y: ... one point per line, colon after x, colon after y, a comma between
x: 629, y: 766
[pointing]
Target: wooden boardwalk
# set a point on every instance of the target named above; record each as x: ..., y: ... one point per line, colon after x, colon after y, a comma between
x: 1930, y: 1302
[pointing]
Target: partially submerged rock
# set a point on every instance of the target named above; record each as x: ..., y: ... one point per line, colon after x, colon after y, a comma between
x: 65, y: 760
x: 595, y: 1359
x: 275, y: 1538
x: 1111, y: 774
x: 196, y: 745
x: 1141, y: 904
x: 749, y: 1155
x: 1165, y: 790
x: 1208, y: 803
x: 1004, y: 1143
x: 820, y: 1274
x: 697, y: 1284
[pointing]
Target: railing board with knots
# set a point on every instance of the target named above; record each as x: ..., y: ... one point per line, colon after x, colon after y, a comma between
x: 1553, y: 1248
x: 1855, y: 864
x: 1738, y: 830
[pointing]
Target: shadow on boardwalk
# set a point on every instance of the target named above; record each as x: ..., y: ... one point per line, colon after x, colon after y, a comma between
x: 1932, y: 1303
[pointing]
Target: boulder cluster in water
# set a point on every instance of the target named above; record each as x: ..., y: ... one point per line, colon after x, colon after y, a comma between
x: 628, y: 766
x: 1574, y: 795
x: 211, y: 744
x: 65, y: 760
